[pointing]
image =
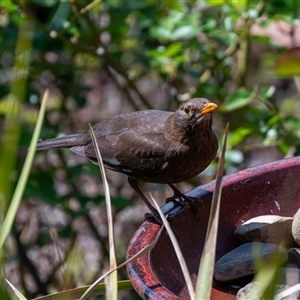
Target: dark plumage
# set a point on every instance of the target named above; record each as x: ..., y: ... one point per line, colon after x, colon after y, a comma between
x: 151, y: 145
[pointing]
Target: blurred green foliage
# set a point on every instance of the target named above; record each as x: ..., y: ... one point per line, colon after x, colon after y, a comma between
x: 104, y: 57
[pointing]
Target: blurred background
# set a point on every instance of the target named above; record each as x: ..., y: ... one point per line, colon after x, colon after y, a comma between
x: 102, y: 58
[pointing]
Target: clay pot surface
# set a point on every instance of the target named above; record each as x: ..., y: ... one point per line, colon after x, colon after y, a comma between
x: 267, y: 189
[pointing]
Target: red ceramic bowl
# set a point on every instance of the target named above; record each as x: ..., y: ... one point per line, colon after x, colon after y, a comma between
x: 272, y: 188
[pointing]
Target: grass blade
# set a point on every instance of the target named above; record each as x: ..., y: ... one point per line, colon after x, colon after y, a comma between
x: 112, y: 280
x: 17, y: 196
x: 137, y: 255
x: 12, y: 108
x: 18, y: 294
x: 267, y: 272
x: 288, y: 292
x: 178, y: 252
x: 75, y: 293
x: 206, y: 268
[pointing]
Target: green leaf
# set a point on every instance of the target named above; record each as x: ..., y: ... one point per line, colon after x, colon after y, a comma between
x: 173, y: 49
x: 235, y: 3
x: 292, y: 123
x: 272, y: 122
x: 283, y: 147
x: 268, y: 92
x: 237, y: 136
x: 46, y: 3
x: 161, y: 33
x: 185, y: 32
x: 216, y: 2
x: 239, y: 99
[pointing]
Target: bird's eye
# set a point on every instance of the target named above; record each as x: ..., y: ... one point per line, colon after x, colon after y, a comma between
x: 186, y: 109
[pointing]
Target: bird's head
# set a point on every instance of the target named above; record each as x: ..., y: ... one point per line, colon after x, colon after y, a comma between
x: 193, y: 113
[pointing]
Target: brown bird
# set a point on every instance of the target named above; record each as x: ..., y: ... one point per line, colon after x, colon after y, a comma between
x: 151, y: 145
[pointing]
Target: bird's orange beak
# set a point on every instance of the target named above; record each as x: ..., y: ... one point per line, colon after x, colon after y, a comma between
x: 208, y: 108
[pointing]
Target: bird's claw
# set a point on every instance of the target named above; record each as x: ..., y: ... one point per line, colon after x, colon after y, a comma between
x: 153, y: 218
x: 183, y: 199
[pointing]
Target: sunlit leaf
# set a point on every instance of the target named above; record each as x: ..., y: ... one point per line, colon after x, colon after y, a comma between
x: 239, y: 99
x: 274, y: 120
x: 173, y: 49
x: 185, y: 32
x: 236, y: 3
x: 160, y: 33
x: 238, y: 135
x: 268, y: 92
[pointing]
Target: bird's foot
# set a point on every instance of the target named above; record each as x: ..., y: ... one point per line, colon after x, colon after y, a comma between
x: 153, y: 218
x: 183, y: 199
x: 149, y: 217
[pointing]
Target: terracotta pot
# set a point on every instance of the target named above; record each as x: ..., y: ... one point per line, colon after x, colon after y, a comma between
x: 272, y: 188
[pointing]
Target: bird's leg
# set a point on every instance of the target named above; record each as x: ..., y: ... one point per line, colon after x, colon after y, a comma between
x: 178, y: 194
x: 182, y: 197
x: 154, y: 213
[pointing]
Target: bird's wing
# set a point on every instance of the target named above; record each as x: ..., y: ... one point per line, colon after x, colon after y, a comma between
x: 130, y: 151
x: 138, y: 147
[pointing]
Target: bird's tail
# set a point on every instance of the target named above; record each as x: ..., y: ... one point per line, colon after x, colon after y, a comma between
x: 67, y: 141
